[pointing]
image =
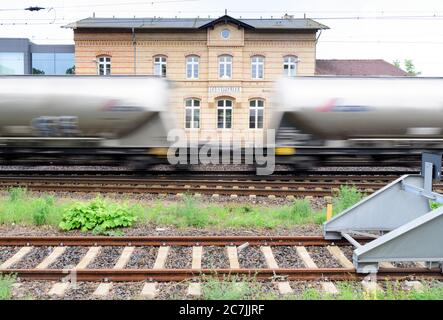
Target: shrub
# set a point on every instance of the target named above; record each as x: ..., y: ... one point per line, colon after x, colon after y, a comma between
x: 97, y: 215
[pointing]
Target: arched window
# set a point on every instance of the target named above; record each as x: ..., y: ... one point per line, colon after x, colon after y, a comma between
x: 160, y: 66
x: 192, y: 67
x: 290, y: 66
x: 225, y: 66
x: 104, y: 65
x: 257, y: 67
x: 192, y: 114
x: 224, y: 114
x: 256, y: 110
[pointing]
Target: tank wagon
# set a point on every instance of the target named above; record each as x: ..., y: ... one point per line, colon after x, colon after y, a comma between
x: 119, y: 115
x: 374, y: 116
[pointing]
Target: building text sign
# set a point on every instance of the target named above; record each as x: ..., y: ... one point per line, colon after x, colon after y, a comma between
x: 224, y: 89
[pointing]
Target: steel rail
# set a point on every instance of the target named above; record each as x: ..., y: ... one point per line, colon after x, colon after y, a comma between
x: 170, y: 240
x: 220, y: 182
x: 213, y: 179
x: 251, y: 174
x: 176, y: 190
x: 331, y: 274
x: 259, y: 189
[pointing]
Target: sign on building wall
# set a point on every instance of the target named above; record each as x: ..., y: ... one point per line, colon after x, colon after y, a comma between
x: 224, y: 89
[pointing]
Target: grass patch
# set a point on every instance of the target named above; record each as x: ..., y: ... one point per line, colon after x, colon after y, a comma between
x: 391, y: 291
x: 6, y: 283
x: 20, y: 207
x: 190, y: 212
x: 233, y: 288
x: 347, y: 196
x: 101, y: 216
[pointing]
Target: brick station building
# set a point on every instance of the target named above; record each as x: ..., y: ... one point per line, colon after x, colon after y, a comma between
x: 223, y: 69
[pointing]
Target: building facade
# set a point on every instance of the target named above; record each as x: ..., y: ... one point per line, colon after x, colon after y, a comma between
x: 21, y: 56
x: 222, y: 70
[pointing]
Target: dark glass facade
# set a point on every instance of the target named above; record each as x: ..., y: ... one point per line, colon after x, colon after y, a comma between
x: 12, y: 63
x: 52, y: 63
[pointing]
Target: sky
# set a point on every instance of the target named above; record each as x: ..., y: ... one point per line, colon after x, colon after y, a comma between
x: 359, y: 29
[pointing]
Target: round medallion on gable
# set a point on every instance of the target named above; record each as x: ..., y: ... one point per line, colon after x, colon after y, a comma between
x: 225, y: 33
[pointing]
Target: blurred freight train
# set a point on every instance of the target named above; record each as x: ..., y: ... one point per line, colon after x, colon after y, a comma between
x: 127, y: 118
x: 123, y: 118
x: 378, y: 117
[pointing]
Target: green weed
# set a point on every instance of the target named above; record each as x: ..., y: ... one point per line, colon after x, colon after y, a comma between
x: 347, y: 196
x: 16, y: 193
x: 97, y: 215
x: 233, y: 288
x: 6, y: 283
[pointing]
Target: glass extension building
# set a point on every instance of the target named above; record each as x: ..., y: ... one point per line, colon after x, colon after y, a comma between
x: 21, y: 56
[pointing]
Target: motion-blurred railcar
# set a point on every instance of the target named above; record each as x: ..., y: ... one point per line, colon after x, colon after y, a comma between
x: 119, y: 112
x: 369, y: 115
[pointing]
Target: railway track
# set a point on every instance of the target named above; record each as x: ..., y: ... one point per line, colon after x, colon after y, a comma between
x: 17, y: 256
x: 240, y: 185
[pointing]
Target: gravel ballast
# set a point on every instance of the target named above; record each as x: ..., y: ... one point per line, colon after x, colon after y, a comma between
x: 107, y: 258
x: 7, y: 252
x: 348, y: 251
x: 178, y: 290
x: 300, y: 287
x: 322, y: 257
x: 251, y: 257
x: 81, y: 291
x: 179, y: 258
x: 33, y: 258
x: 287, y: 257
x: 126, y: 290
x: 70, y: 258
x: 215, y: 257
x: 172, y: 291
x: 142, y: 258
x: 155, y: 230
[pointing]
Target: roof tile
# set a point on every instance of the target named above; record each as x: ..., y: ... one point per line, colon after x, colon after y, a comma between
x: 354, y: 67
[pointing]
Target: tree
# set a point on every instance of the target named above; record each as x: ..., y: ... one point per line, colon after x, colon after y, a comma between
x: 37, y: 71
x: 70, y: 70
x: 409, y: 67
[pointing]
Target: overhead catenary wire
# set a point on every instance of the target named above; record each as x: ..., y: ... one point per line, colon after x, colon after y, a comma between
x: 100, y: 5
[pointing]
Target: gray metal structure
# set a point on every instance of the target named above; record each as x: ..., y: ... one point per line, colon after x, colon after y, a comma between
x: 408, y: 230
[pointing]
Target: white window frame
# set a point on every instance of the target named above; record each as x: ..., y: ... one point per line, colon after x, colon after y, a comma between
x: 223, y: 62
x: 192, y: 64
x: 253, y: 105
x: 104, y: 62
x: 291, y: 62
x: 259, y: 63
x: 193, y: 107
x: 159, y: 62
x: 224, y: 107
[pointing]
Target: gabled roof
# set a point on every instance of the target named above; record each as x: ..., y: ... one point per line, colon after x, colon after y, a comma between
x: 193, y: 23
x: 226, y: 19
x: 355, y: 67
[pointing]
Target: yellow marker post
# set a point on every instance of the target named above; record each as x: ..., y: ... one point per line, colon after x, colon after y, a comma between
x: 328, y: 212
